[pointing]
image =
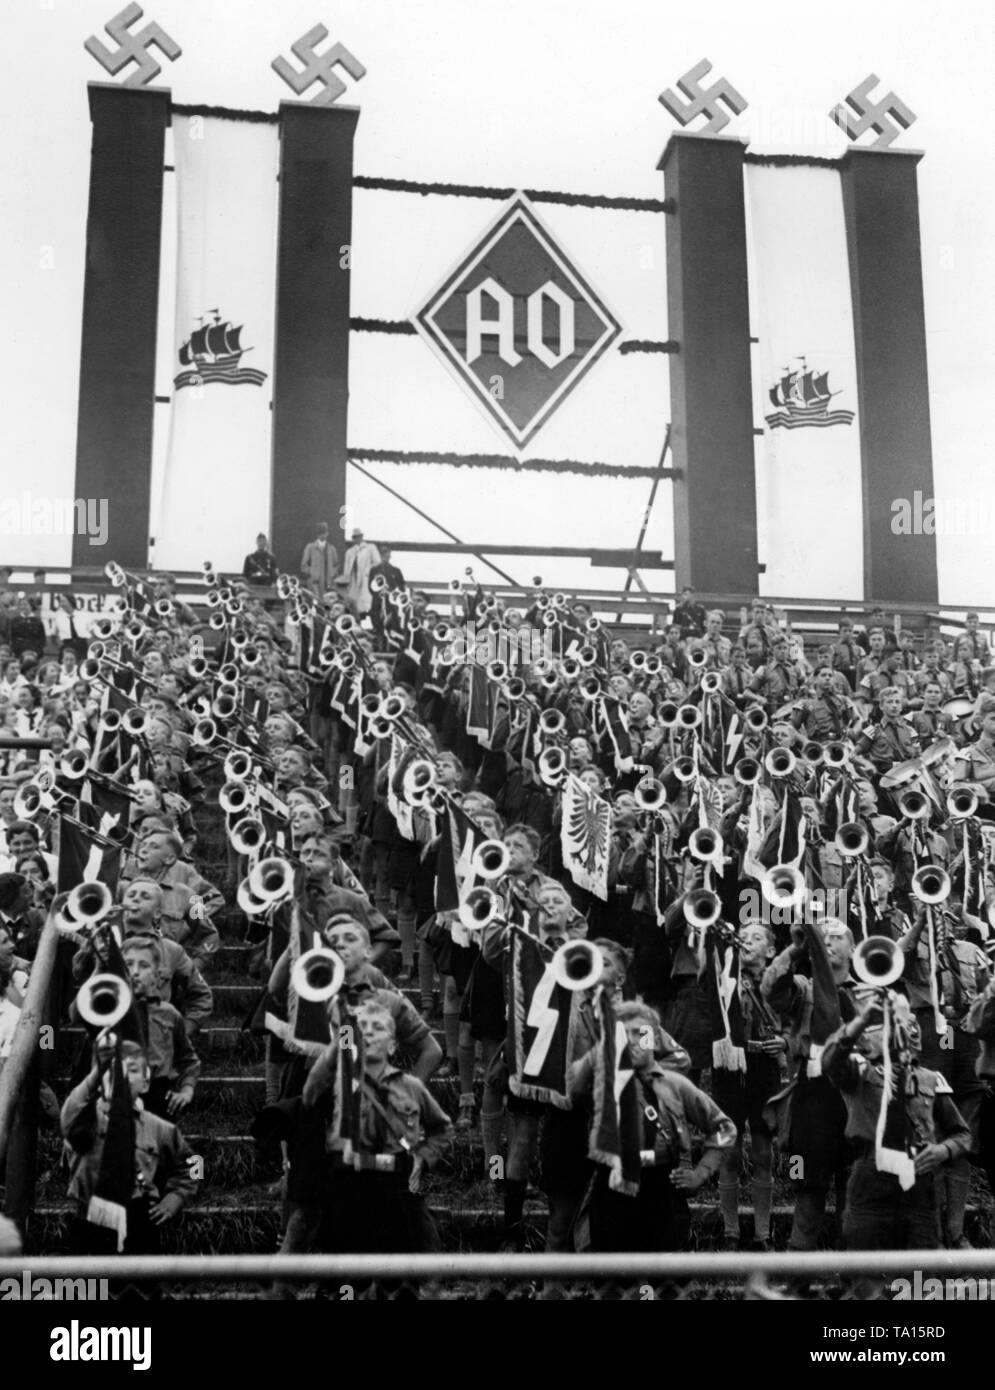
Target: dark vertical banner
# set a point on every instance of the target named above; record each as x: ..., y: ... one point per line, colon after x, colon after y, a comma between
x: 311, y: 365
x: 715, y: 507
x: 120, y: 306
x: 881, y: 207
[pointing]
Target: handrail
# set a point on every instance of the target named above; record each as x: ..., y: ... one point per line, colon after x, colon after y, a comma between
x: 700, y: 1264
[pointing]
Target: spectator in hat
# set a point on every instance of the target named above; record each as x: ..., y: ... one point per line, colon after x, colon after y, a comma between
x: 689, y: 616
x: 360, y: 559
x: 320, y: 562
x: 260, y: 565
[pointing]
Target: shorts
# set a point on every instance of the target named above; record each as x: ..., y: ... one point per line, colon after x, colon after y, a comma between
x: 743, y: 1095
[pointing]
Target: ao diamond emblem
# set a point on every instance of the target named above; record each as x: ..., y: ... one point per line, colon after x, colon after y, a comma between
x: 517, y: 323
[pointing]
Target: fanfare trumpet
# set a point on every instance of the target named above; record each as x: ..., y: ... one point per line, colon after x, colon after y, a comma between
x: 914, y: 805
x: 248, y: 835
x: 697, y: 658
x: 650, y: 795
x: 238, y: 765
x: 711, y: 682
x: 878, y: 961
x: 747, y: 772
x: 490, y: 860
x: 705, y: 844
x: 684, y: 769
x: 552, y: 765
x: 318, y: 975
x: 780, y: 762
x: 962, y: 803
x: 931, y: 884
x: 783, y: 886
x: 755, y: 720
x: 834, y: 754
x: 419, y: 781
x: 577, y: 965
x: 235, y: 797
x: 480, y: 908
x: 852, y: 840
x: 89, y: 902
x: 688, y: 716
x: 552, y: 722
x: 103, y: 1000
x: 272, y: 880
x: 812, y: 752
x: 702, y: 907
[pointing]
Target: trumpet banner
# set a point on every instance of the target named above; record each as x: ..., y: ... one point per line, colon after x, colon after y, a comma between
x: 540, y: 1016
x: 809, y: 481
x: 586, y: 836
x: 216, y: 486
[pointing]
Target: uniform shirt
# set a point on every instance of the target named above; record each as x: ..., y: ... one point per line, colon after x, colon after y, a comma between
x: 790, y: 996
x: 976, y: 763
x: 778, y: 682
x: 420, y: 1125
x: 887, y: 742
x: 931, y: 724
x: 824, y: 719
x: 933, y: 1117
x: 162, y: 1155
x: 180, y: 982
x: 680, y: 1107
x: 972, y: 974
x: 167, y: 1045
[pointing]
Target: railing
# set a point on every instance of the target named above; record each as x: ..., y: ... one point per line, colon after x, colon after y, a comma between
x: 609, y: 1276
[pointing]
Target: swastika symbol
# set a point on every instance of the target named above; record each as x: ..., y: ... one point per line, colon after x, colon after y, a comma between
x: 132, y: 48
x: 703, y: 101
x: 872, y: 115
x: 319, y: 67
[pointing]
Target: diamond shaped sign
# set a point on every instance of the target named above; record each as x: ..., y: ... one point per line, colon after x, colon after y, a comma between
x: 517, y: 323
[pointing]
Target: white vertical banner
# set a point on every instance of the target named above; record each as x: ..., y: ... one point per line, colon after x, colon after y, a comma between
x: 216, y: 483
x: 809, y: 485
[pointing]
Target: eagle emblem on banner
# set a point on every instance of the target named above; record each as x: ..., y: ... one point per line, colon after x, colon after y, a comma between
x: 214, y: 352
x: 586, y: 836
x: 802, y: 397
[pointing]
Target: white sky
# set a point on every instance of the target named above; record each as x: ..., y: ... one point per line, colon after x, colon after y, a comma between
x: 528, y: 93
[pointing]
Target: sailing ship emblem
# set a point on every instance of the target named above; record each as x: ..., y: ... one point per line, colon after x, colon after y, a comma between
x: 802, y: 398
x: 213, y: 352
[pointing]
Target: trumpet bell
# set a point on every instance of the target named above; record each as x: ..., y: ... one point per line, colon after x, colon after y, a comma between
x: 419, y: 779
x: 552, y: 766
x: 755, y: 720
x: 683, y: 769
x: 234, y: 797
x: 272, y: 880
x: 103, y: 1000
x: 497, y: 671
x: 217, y: 620
x: 318, y: 975
x: 248, y: 836
x: 638, y: 659
x: 852, y: 840
x: 89, y: 902
x: 590, y: 688
x: 698, y: 658
x: 654, y: 665
x: 490, y: 860
x: 29, y: 801
x: 135, y: 722
x: 205, y: 731
x: 163, y: 608
x: 688, y: 716
x: 247, y: 900
x: 552, y: 722
x: 780, y: 762
x: 570, y: 669
x: 812, y: 752
x: 711, y: 682
x: 74, y: 764
x: 377, y: 584
x: 197, y: 668
x: 577, y: 965
x: 669, y: 714
x: 702, y: 907
x: 479, y: 909
x: 592, y: 625
x: 931, y: 884
x: 345, y: 625
x: 783, y: 886
x: 914, y: 805
x: 238, y: 765
x: 705, y: 844
x: 515, y: 689
x: 834, y: 754
x: 587, y: 656
x: 962, y: 804
x: 878, y: 961
x: 650, y: 794
x: 747, y: 772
